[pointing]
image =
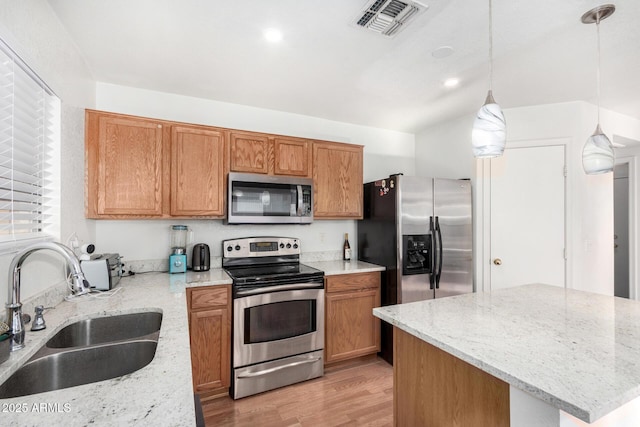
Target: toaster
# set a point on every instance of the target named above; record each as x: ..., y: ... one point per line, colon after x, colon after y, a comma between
x: 102, y: 271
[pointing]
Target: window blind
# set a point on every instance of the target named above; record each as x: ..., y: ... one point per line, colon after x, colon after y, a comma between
x: 29, y: 153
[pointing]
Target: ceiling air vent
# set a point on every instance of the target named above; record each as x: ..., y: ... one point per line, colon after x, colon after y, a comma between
x: 387, y: 17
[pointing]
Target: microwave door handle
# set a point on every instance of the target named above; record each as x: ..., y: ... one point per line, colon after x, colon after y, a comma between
x: 300, y: 200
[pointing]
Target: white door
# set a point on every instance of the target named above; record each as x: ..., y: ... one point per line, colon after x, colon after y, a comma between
x: 528, y: 217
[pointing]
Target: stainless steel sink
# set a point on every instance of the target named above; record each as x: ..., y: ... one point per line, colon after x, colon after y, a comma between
x: 79, y: 366
x: 86, y: 352
x: 106, y: 329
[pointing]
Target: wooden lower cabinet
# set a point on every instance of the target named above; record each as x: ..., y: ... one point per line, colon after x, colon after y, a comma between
x: 351, y: 329
x: 434, y: 388
x: 210, y: 336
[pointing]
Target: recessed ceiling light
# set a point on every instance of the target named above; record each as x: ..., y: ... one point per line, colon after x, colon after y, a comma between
x: 442, y: 52
x: 452, y: 82
x: 273, y: 35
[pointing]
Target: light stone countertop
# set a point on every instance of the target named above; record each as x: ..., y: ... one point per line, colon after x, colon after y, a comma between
x: 331, y: 268
x: 160, y: 394
x: 577, y: 351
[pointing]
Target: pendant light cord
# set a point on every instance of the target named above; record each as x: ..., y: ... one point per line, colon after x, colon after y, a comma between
x: 490, y: 47
x: 598, y: 69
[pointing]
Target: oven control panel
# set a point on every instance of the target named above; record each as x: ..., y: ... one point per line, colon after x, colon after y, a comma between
x: 260, y: 247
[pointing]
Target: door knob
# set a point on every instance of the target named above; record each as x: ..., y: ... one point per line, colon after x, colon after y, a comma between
x: 497, y: 261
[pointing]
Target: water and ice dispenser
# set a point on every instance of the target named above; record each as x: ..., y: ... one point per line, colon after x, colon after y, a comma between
x: 416, y: 254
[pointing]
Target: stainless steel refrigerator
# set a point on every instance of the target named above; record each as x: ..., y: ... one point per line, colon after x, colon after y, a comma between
x: 420, y: 229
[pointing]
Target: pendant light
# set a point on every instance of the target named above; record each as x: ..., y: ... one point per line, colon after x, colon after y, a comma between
x: 489, y: 133
x: 597, y: 154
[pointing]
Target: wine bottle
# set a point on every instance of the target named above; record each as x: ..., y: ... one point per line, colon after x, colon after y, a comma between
x: 346, y: 252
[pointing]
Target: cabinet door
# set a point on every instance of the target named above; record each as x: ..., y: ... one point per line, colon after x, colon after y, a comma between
x: 292, y: 157
x: 249, y: 152
x: 129, y: 163
x: 337, y: 180
x: 210, y: 338
x: 197, y: 171
x: 351, y: 328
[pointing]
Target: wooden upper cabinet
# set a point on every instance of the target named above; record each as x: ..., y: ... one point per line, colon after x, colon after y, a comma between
x: 137, y: 167
x: 124, y: 165
x: 270, y: 155
x: 143, y: 168
x: 197, y: 171
x: 337, y: 180
x: 249, y: 152
x: 292, y: 156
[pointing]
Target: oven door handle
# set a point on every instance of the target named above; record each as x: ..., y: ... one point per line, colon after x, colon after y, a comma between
x: 278, y: 368
x: 276, y: 288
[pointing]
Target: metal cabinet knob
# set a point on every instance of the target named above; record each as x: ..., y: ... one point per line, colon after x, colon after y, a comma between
x: 497, y: 261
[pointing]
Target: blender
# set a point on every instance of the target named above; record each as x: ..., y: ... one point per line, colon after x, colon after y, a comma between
x: 178, y: 257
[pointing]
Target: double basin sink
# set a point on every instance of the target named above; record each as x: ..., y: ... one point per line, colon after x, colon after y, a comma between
x: 88, y: 351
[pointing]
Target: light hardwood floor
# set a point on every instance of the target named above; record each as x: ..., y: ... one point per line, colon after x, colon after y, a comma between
x: 358, y: 394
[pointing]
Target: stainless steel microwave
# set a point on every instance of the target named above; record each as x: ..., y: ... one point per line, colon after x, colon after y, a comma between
x: 266, y: 199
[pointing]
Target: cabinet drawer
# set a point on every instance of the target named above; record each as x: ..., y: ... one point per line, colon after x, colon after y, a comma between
x: 209, y: 297
x: 352, y: 282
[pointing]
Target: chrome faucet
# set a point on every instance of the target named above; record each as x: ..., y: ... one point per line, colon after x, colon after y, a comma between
x: 80, y: 286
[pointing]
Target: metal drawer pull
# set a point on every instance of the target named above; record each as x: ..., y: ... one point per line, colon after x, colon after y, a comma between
x: 278, y: 368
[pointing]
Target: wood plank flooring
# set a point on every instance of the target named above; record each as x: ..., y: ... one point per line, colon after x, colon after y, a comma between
x: 359, y: 394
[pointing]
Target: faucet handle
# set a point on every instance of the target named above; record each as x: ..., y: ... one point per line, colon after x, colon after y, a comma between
x: 39, y: 323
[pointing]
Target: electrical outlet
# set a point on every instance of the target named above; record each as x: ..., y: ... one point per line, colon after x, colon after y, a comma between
x: 321, y: 237
x: 73, y: 241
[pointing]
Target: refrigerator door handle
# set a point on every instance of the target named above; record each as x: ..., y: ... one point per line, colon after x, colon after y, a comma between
x: 439, y: 252
x: 432, y: 257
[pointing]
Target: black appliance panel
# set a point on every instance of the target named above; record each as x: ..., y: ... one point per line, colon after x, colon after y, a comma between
x: 416, y: 254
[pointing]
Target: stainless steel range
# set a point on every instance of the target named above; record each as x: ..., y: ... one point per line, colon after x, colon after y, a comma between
x: 278, y: 314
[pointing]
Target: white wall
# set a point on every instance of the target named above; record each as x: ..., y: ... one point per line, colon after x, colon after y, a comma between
x: 34, y: 32
x: 385, y: 152
x: 444, y: 150
x: 590, y: 198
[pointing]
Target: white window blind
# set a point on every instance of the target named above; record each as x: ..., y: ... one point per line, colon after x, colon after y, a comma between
x: 29, y: 154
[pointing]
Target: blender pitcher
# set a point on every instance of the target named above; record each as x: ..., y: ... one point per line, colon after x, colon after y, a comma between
x: 178, y: 257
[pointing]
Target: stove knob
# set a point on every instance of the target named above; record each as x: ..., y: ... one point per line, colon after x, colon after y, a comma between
x: 237, y: 248
x: 281, y: 245
x: 229, y: 248
x: 288, y: 245
x: 295, y: 246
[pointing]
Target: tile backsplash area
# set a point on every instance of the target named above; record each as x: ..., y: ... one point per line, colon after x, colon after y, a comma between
x: 145, y: 266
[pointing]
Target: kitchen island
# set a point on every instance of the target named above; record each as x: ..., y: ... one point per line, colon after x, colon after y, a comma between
x: 159, y: 394
x: 533, y: 355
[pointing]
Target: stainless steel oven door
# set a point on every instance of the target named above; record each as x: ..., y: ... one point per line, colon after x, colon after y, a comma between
x: 277, y: 324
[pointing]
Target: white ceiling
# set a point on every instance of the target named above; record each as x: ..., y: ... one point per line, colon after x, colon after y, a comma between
x: 327, y: 67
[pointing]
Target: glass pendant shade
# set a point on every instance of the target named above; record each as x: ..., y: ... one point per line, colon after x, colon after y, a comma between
x: 489, y: 133
x: 597, y: 154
